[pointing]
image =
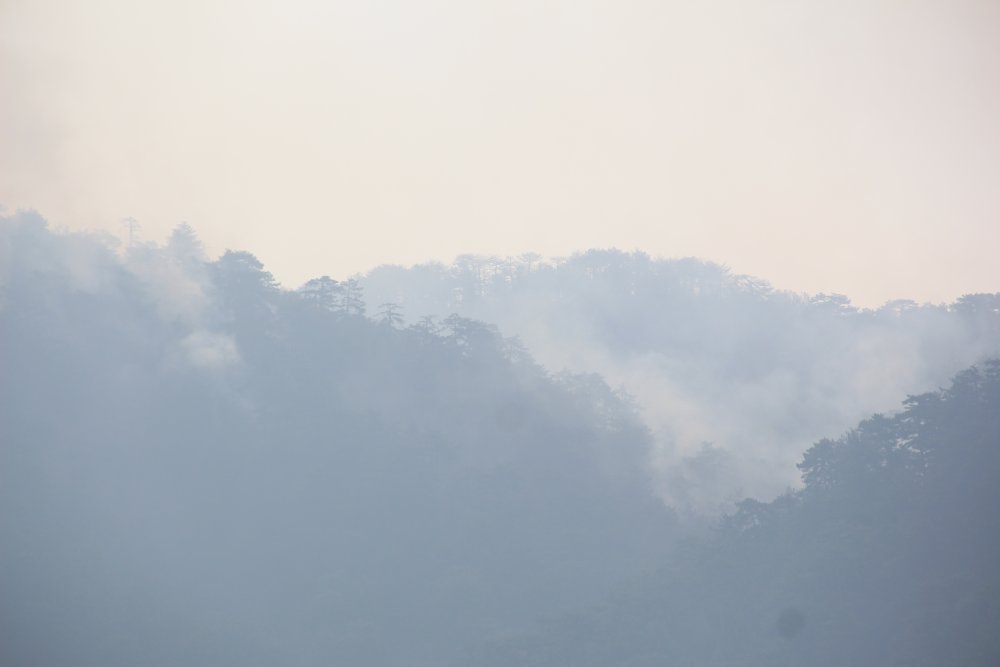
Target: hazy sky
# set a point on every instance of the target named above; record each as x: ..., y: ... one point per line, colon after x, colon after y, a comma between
x: 849, y: 145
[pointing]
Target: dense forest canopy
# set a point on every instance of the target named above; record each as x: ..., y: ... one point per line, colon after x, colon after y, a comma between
x: 199, y: 466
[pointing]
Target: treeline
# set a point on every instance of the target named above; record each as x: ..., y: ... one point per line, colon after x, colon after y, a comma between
x: 734, y: 377
x: 200, y: 467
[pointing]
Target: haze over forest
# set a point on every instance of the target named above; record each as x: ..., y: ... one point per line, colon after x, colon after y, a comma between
x: 609, y: 459
x: 506, y: 333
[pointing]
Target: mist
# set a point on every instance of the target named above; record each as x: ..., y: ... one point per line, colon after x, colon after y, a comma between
x: 200, y: 467
x: 609, y: 459
x: 499, y: 334
x: 734, y: 378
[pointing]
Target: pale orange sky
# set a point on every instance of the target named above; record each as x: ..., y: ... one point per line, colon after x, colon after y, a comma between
x: 849, y: 146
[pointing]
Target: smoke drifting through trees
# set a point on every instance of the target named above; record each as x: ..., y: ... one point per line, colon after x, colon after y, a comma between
x: 199, y: 467
x: 734, y: 378
x: 887, y: 556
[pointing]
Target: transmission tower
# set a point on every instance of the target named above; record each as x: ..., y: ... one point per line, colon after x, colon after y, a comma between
x: 133, y: 227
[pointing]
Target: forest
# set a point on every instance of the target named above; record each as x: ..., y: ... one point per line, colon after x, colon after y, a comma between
x: 604, y: 460
x: 733, y: 377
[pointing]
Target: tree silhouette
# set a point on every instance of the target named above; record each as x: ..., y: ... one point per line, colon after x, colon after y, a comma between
x: 185, y: 245
x: 324, y: 292
x: 352, y: 301
x: 389, y: 315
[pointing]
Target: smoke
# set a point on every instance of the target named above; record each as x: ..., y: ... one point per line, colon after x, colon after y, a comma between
x: 209, y: 351
x: 734, y: 378
x: 172, y: 277
x: 27, y: 249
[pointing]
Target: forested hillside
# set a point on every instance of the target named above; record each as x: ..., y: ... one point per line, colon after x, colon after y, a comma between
x: 199, y: 468
x: 888, y: 556
x: 734, y: 377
